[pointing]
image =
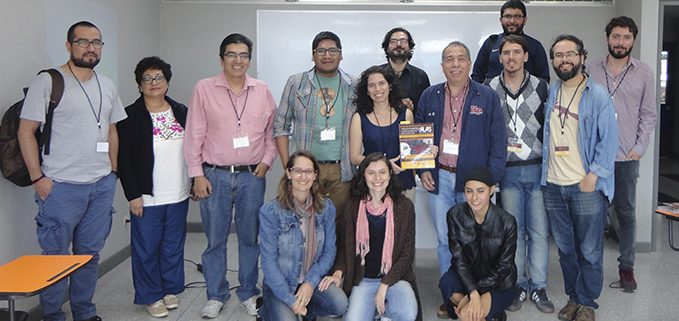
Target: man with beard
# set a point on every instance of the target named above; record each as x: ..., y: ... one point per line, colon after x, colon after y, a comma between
x: 315, y: 113
x: 523, y: 96
x: 79, y: 173
x: 579, y: 146
x: 631, y: 84
x: 398, y: 45
x: 512, y: 18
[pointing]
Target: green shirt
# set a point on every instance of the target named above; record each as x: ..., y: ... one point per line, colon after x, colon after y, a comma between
x: 329, y: 96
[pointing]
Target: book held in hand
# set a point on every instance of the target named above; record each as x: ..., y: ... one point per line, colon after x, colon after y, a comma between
x: 416, y: 142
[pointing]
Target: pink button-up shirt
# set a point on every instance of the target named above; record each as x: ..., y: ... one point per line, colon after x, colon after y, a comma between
x: 212, y: 124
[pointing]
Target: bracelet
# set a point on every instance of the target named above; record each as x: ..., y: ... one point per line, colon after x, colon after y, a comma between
x: 116, y: 174
x: 38, y: 179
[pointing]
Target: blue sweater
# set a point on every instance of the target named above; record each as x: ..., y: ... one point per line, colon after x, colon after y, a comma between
x: 483, y: 141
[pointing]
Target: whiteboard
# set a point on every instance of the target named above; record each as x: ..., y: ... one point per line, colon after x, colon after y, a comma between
x: 284, y: 39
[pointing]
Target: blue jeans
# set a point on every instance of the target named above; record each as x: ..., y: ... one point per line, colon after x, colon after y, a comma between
x: 625, y: 200
x: 77, y: 215
x: 400, y: 302
x: 439, y: 206
x: 450, y: 284
x: 522, y: 197
x: 332, y: 301
x: 577, y: 222
x: 157, y: 245
x: 246, y: 192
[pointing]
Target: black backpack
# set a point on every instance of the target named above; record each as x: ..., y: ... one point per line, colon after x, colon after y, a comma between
x: 11, y: 162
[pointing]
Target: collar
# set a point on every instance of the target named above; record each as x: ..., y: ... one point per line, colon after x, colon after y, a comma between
x: 524, y: 84
x: 222, y: 82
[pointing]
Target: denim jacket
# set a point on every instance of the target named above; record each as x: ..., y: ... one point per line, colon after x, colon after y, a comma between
x: 281, y: 245
x: 597, y: 134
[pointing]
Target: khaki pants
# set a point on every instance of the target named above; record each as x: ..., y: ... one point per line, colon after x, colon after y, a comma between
x: 330, y: 177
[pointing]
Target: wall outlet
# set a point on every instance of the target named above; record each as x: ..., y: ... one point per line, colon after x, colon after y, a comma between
x: 126, y: 220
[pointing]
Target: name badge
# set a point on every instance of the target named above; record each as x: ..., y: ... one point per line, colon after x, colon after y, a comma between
x: 513, y: 145
x: 561, y: 151
x: 102, y: 147
x: 240, y: 142
x: 451, y: 147
x: 328, y: 134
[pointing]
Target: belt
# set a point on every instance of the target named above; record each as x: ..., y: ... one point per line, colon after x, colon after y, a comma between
x: 233, y: 168
x: 328, y: 162
x: 448, y: 168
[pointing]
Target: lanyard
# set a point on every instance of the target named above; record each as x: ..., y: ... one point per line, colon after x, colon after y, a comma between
x: 452, y: 113
x: 516, y: 112
x: 233, y: 104
x: 96, y: 116
x: 384, y: 145
x: 328, y: 108
x: 620, y: 82
x: 563, y: 121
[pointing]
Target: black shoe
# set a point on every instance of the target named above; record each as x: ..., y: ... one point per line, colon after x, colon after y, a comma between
x: 94, y: 318
x: 521, y: 296
x: 502, y: 316
x: 539, y: 296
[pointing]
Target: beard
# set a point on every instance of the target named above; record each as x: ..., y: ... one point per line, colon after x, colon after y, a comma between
x: 82, y: 63
x: 399, y: 57
x: 616, y: 55
x: 567, y: 75
x: 519, y: 30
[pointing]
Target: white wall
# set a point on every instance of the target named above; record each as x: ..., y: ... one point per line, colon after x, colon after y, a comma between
x: 129, y: 29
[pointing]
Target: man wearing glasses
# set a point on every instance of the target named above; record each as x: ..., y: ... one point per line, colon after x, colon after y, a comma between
x: 315, y: 114
x: 579, y: 147
x: 398, y: 45
x: 513, y: 19
x: 76, y: 183
x: 228, y: 149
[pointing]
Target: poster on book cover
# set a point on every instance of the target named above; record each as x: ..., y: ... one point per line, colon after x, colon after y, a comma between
x: 416, y: 142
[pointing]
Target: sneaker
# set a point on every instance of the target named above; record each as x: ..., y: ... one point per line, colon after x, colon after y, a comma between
x: 442, y: 313
x: 539, y: 296
x: 627, y: 282
x: 585, y: 313
x: 211, y: 309
x: 569, y: 311
x: 521, y: 295
x: 502, y: 316
x: 250, y: 305
x: 157, y: 309
x: 171, y: 301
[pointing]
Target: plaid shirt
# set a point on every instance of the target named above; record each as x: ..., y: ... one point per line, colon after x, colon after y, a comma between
x: 297, y: 111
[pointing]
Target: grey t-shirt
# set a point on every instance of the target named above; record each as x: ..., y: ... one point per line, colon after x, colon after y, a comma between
x: 73, y: 154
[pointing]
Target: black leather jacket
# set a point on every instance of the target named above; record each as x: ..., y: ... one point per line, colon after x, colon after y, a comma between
x: 486, y: 263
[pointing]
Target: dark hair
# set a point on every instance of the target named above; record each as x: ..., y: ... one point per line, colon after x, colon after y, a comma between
x: 517, y: 39
x: 152, y: 63
x: 235, y: 38
x: 359, y: 187
x: 364, y: 103
x: 624, y: 22
x: 456, y: 43
x: 326, y: 35
x: 387, y: 38
x: 580, y: 45
x: 70, y: 35
x: 513, y: 4
x: 284, y: 196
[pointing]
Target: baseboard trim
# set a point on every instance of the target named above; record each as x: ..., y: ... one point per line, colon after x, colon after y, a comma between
x: 644, y: 247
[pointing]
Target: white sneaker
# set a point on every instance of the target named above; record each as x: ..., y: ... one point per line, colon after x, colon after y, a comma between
x: 250, y: 305
x: 211, y: 309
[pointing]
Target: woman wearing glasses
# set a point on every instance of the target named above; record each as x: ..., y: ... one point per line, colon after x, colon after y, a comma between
x: 298, y: 226
x: 376, y: 247
x: 156, y: 183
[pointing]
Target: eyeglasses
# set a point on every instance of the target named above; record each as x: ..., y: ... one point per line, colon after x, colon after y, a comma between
x: 297, y: 172
x: 148, y: 79
x: 569, y: 55
x: 233, y: 55
x: 395, y: 41
x: 84, y: 43
x: 331, y: 51
x: 515, y: 17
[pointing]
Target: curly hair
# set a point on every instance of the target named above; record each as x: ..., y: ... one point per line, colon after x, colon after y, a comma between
x: 364, y: 103
x: 387, y: 39
x: 152, y: 63
x: 284, y: 195
x: 359, y: 187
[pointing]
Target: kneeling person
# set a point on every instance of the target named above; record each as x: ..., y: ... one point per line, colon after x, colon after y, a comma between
x: 481, y: 281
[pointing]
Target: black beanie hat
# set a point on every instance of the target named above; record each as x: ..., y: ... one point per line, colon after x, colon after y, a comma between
x: 480, y: 174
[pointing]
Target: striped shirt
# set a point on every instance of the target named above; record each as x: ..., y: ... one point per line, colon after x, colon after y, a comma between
x: 633, y: 92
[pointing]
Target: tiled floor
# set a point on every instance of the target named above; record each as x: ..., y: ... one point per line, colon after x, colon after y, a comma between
x: 655, y: 299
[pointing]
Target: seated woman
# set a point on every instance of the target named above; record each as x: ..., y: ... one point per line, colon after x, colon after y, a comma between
x: 376, y: 246
x: 157, y: 185
x: 480, y: 284
x: 298, y: 226
x: 375, y: 125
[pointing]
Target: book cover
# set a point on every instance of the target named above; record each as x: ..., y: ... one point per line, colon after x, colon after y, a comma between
x: 416, y: 142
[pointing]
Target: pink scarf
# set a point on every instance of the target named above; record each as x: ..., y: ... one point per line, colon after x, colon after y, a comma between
x: 363, y: 232
x: 307, y: 215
